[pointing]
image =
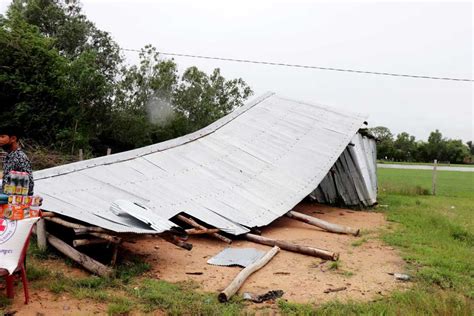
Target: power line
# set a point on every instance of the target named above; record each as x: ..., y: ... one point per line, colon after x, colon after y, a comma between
x: 307, y: 66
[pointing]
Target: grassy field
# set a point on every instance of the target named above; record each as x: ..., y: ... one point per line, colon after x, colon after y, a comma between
x: 435, y: 235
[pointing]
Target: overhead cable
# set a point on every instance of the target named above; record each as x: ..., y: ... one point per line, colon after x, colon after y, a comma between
x: 307, y: 66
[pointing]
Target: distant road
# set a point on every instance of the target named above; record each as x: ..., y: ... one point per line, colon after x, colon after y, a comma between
x: 424, y: 167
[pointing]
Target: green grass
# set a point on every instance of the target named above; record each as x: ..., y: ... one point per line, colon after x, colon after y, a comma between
x: 450, y: 184
x: 436, y: 237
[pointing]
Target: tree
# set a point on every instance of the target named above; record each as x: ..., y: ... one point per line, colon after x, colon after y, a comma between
x: 404, y: 147
x: 436, y: 146
x: 73, y: 33
x: 32, y: 82
x: 203, y: 98
x: 384, y: 138
x: 470, y: 145
x: 456, y: 151
x: 60, y: 72
x: 166, y: 105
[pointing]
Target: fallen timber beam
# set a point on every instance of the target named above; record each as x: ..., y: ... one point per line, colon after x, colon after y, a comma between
x: 334, y: 228
x: 87, y: 262
x: 194, y: 231
x: 235, y: 285
x: 176, y: 240
x: 84, y: 242
x: 196, y: 225
x: 315, y: 252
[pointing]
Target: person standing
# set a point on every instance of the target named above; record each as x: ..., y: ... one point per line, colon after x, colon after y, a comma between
x: 15, y: 159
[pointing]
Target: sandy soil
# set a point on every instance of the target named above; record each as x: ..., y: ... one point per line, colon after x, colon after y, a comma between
x: 363, y: 269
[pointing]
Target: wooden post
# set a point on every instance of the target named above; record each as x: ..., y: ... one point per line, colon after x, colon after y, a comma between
x: 87, y: 262
x: 113, y: 260
x: 433, y: 187
x: 315, y: 252
x: 235, y: 285
x: 334, y: 228
x: 81, y: 154
x: 196, y: 225
x: 109, y: 151
x: 41, y: 235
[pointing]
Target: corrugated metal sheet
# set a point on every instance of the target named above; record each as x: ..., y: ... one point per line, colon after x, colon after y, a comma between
x: 352, y: 181
x: 245, y: 170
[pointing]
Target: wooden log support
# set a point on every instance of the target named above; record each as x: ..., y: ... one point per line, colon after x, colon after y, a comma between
x: 112, y: 239
x: 235, y: 285
x: 76, y: 226
x: 41, y: 235
x: 194, y: 231
x: 87, y: 262
x: 196, y: 225
x: 334, y: 228
x: 175, y: 240
x: 310, y: 251
x: 85, y: 242
x: 87, y: 230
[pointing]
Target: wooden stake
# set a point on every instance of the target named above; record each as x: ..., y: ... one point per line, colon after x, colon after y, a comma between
x: 334, y: 228
x: 193, y: 223
x: 315, y: 252
x: 235, y: 285
x: 87, y: 262
x: 433, y: 187
x: 41, y: 235
x: 81, y: 154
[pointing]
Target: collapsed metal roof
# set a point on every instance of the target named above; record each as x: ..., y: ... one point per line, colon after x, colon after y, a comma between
x: 245, y: 170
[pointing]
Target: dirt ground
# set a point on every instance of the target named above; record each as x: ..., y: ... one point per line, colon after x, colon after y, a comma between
x: 363, y: 270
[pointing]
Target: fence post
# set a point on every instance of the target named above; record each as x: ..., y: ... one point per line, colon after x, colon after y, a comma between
x: 433, y: 187
x: 109, y: 151
x: 81, y: 154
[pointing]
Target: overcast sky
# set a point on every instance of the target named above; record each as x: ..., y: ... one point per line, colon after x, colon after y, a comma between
x: 422, y: 38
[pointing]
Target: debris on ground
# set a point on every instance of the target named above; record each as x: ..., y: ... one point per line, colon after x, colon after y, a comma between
x: 242, y: 257
x: 270, y: 295
x: 401, y: 276
x: 337, y: 289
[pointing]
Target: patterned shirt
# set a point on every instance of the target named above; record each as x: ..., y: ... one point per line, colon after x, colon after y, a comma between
x: 17, y: 161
